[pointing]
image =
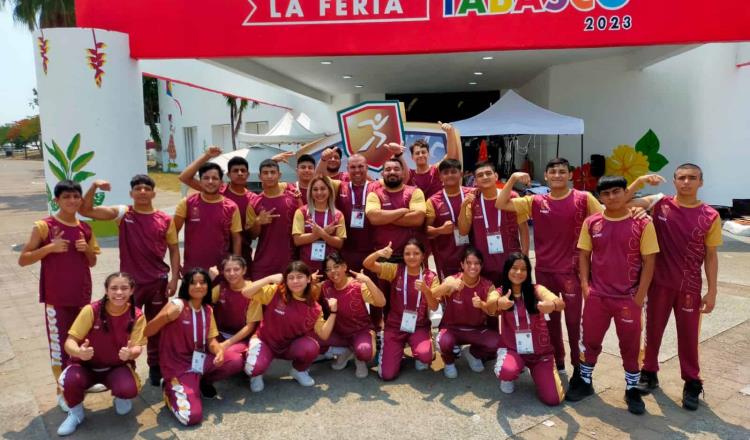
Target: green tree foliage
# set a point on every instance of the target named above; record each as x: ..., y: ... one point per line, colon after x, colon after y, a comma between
x: 37, y: 14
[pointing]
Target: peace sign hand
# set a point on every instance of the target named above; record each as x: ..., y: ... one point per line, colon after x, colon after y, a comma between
x: 266, y: 217
x: 360, y: 276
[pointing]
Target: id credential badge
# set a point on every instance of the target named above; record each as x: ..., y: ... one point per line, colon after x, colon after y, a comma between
x: 199, y: 358
x: 460, y: 239
x: 494, y: 241
x: 457, y: 237
x: 318, y: 251
x: 524, y: 340
x: 409, y: 321
x: 358, y: 214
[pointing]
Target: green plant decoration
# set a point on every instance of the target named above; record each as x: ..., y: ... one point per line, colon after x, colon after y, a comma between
x: 648, y: 145
x: 69, y: 165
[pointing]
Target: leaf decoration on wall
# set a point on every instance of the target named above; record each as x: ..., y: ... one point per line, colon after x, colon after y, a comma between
x: 50, y: 200
x: 97, y: 58
x: 69, y: 165
x: 43, y: 49
x: 649, y: 145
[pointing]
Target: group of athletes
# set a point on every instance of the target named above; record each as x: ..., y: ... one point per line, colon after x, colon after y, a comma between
x: 340, y: 271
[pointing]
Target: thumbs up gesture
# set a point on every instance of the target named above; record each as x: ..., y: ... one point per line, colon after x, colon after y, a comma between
x: 85, y: 351
x: 476, y: 301
x: 124, y: 353
x: 504, y: 303
x: 545, y: 307
x: 59, y: 244
x: 81, y: 245
x: 387, y: 251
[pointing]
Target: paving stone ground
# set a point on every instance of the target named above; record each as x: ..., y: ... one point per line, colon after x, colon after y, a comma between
x: 419, y: 405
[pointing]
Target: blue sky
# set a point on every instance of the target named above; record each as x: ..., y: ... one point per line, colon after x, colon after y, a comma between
x: 17, y: 75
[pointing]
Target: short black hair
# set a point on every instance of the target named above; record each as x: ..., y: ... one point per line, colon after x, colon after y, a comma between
x: 237, y: 162
x: 688, y: 166
x: 485, y: 163
x: 268, y: 163
x: 67, y: 186
x: 393, y: 159
x: 306, y: 158
x: 421, y: 143
x: 471, y: 250
x: 449, y: 164
x: 557, y: 161
x: 609, y: 182
x: 208, y: 166
x: 142, y: 179
x: 338, y: 151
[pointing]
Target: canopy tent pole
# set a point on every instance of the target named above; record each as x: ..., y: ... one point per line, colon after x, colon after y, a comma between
x: 557, y: 153
x: 581, y: 150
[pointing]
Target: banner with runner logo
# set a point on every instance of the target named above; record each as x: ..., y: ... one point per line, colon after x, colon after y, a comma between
x: 194, y: 28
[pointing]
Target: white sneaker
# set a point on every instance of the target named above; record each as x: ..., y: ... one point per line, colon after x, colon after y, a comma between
x: 62, y: 404
x: 507, y: 386
x: 342, y: 360
x: 75, y: 418
x: 302, y: 377
x: 420, y: 366
x: 122, y: 406
x: 97, y: 388
x: 361, y: 369
x: 475, y: 364
x: 450, y: 371
x: 256, y: 384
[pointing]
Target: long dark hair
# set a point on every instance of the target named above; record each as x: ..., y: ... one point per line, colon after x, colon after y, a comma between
x: 103, y: 301
x: 527, y: 288
x: 311, y: 292
x: 187, y: 279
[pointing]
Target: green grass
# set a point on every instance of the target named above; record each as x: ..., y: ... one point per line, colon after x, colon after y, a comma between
x: 166, y: 181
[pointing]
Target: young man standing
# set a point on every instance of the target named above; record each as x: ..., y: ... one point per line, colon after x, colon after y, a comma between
x: 689, y: 233
x: 351, y: 200
x: 443, y: 209
x: 396, y: 210
x: 616, y: 265
x: 213, y: 226
x: 427, y: 177
x: 305, y: 173
x: 67, y: 250
x: 236, y: 190
x: 270, y: 218
x: 558, y: 218
x: 145, y: 234
x: 495, y: 233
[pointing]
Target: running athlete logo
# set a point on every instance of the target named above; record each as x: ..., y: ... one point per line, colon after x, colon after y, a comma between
x: 195, y: 214
x: 664, y: 214
x: 544, y: 208
x: 596, y: 229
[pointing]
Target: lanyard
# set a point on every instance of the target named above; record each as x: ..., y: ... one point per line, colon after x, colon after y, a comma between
x: 419, y: 294
x: 484, y: 214
x: 450, y: 208
x: 515, y: 314
x: 195, y: 328
x: 364, y: 193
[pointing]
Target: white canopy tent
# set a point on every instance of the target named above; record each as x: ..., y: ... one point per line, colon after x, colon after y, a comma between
x: 514, y: 115
x: 287, y: 131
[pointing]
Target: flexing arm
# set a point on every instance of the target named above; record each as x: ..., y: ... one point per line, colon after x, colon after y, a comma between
x: 503, y: 199
x: 255, y: 287
x: 648, y: 201
x: 371, y: 262
x: 88, y: 209
x: 187, y: 176
x: 453, y: 147
x: 167, y: 314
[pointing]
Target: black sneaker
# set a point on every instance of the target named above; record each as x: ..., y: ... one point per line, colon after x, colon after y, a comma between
x: 649, y: 382
x: 578, y: 389
x: 560, y: 368
x: 207, y: 390
x: 154, y: 375
x: 634, y: 401
x: 691, y: 393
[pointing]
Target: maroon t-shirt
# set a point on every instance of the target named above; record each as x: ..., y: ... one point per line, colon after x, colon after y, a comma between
x: 428, y: 182
x: 230, y: 310
x: 242, y: 201
x: 107, y: 343
x: 350, y: 198
x: 539, y: 332
x: 275, y: 246
x: 65, y: 278
x: 396, y: 300
x: 557, y: 226
x: 493, y: 263
x: 681, y: 232
x: 305, y: 251
x: 283, y: 322
x: 208, y: 235
x: 447, y: 254
x: 352, y: 316
x: 396, y: 235
x: 143, y: 245
x: 458, y: 309
x: 176, y: 343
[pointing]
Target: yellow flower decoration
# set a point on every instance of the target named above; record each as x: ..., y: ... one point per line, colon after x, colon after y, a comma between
x: 626, y: 162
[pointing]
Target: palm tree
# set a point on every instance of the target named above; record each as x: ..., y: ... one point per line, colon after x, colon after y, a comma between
x: 43, y: 13
x: 235, y: 116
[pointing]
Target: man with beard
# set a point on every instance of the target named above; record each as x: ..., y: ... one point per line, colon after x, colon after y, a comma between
x: 212, y: 222
x: 495, y: 233
x: 396, y: 210
x: 330, y: 158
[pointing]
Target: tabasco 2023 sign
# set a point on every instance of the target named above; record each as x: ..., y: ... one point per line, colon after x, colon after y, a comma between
x: 198, y: 28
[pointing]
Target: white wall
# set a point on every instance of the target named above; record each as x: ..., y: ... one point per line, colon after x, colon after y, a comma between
x: 698, y: 103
